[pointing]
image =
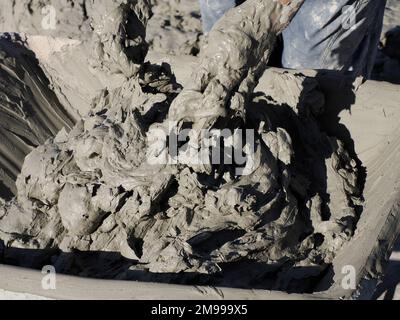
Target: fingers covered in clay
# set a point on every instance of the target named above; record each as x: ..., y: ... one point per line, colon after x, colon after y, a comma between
x: 238, y: 48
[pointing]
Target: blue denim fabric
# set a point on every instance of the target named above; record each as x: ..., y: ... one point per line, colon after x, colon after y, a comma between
x: 321, y: 35
x: 213, y: 10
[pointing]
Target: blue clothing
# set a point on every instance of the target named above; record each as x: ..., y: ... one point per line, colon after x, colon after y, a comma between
x: 213, y: 10
x: 340, y: 35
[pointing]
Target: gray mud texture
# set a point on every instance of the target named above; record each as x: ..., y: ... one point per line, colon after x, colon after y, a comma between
x: 175, y: 27
x: 81, y: 192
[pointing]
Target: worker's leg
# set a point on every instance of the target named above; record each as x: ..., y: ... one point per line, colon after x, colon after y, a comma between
x: 213, y: 10
x: 334, y: 34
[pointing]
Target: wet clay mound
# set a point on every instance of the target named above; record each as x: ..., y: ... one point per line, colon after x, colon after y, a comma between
x: 377, y: 147
x: 273, y: 218
x: 50, y: 96
x: 91, y: 191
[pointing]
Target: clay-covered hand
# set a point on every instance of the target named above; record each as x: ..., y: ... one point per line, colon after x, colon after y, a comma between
x: 238, y: 49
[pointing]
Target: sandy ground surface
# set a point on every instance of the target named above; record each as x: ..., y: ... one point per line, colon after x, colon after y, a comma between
x: 392, y: 15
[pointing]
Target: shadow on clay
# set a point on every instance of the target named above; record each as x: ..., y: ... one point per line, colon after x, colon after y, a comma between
x: 113, y: 266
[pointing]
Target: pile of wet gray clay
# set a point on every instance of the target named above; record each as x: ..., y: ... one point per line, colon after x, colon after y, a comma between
x: 80, y: 112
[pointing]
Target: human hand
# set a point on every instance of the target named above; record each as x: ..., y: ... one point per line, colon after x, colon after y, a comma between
x: 239, y: 47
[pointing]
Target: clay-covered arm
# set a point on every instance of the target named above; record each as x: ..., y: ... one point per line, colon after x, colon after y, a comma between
x: 238, y: 49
